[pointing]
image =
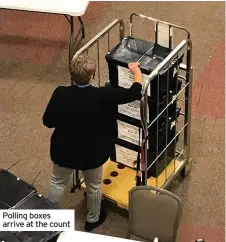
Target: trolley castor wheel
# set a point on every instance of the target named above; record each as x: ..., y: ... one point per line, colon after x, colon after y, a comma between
x: 184, y: 172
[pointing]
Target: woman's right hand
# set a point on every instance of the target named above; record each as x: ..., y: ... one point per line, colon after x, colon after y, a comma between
x: 134, y: 67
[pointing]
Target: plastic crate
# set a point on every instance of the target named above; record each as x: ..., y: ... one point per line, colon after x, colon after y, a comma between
x: 150, y: 55
x: 8, y: 237
x: 131, y: 112
x: 126, y: 154
x: 129, y: 135
x: 36, y: 201
x: 13, y: 190
x: 36, y: 236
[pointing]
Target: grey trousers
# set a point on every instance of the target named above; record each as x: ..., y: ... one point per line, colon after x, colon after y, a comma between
x: 93, y: 180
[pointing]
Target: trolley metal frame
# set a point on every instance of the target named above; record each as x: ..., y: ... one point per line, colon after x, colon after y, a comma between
x: 183, y: 156
x: 187, y: 68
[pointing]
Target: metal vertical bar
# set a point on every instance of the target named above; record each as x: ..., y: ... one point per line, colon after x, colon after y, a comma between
x: 176, y: 93
x: 139, y: 176
x: 131, y: 26
x: 121, y: 31
x: 188, y: 100
x: 167, y: 119
x: 147, y: 140
x: 108, y: 41
x: 98, y: 61
x: 170, y: 37
x: 156, y: 32
x: 77, y: 177
x: 71, y: 39
x: 157, y: 133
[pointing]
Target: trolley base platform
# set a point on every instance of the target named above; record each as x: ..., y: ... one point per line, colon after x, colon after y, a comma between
x: 119, y: 186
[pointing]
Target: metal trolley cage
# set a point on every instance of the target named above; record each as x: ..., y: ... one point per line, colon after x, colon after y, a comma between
x: 181, y: 162
x: 184, y: 154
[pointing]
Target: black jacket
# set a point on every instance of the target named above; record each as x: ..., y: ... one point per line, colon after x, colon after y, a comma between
x: 85, y: 123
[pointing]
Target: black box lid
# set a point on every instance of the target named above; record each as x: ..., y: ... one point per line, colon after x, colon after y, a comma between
x: 149, y: 54
x: 13, y: 189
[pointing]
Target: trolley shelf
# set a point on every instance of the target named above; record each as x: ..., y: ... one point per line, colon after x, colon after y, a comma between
x: 117, y: 191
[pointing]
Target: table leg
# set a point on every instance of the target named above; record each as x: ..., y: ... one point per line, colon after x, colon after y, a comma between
x: 83, y: 27
x: 74, y: 39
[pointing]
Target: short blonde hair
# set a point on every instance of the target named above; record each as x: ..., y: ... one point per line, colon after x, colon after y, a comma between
x: 82, y: 69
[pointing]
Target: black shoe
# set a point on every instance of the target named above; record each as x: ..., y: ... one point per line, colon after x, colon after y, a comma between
x: 90, y: 226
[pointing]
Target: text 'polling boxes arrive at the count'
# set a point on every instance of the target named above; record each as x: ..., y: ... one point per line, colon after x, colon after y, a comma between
x: 37, y: 220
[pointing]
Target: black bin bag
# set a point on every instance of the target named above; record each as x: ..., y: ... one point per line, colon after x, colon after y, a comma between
x: 150, y: 55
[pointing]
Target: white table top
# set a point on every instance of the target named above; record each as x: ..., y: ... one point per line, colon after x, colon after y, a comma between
x: 69, y: 7
x: 72, y: 236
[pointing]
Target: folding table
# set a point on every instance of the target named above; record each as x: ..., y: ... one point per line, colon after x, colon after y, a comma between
x: 68, y: 8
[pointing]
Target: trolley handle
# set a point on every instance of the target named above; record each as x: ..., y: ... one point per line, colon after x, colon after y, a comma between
x: 156, y: 21
x: 101, y: 34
